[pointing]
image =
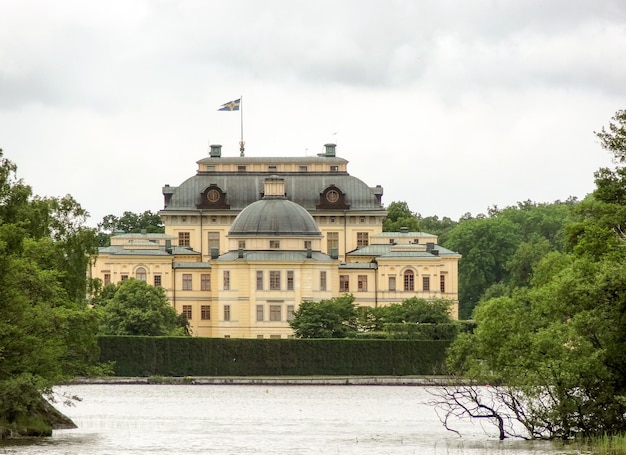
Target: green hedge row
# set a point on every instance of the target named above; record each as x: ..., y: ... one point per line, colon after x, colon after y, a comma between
x: 188, y: 356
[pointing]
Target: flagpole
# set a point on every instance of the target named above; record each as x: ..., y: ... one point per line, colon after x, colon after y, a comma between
x: 242, y: 144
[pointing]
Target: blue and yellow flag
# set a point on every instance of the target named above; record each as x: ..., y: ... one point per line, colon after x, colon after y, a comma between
x: 231, y: 106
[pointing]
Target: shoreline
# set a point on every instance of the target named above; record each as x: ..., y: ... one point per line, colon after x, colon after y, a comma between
x: 269, y: 380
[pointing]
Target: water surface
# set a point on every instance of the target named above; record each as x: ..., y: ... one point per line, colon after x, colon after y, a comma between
x: 256, y: 419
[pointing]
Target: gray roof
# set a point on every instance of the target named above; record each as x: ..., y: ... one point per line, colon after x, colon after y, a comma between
x: 191, y: 265
x: 358, y: 265
x: 271, y: 160
x: 242, y: 189
x: 123, y: 250
x: 388, y: 251
x: 275, y: 256
x: 276, y: 217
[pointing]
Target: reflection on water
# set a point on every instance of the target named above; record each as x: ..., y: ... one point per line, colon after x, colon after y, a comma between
x: 255, y: 419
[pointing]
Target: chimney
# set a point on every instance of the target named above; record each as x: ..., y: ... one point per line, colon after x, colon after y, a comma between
x: 168, y: 246
x: 216, y: 151
x: 215, y: 252
x: 309, y: 253
x: 404, y: 229
x: 240, y: 253
x: 330, y: 150
x: 429, y: 247
x: 334, y: 253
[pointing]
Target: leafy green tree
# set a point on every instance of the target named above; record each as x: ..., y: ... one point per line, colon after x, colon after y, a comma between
x: 47, y: 334
x: 410, y: 311
x: 486, y: 246
x: 129, y: 222
x: 333, y: 318
x: 136, y: 308
x: 399, y: 216
x: 555, y: 352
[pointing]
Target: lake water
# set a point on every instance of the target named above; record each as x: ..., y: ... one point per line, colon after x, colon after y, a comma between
x: 256, y: 419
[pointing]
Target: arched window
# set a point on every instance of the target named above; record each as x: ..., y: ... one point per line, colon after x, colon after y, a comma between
x: 409, y: 280
x: 140, y: 274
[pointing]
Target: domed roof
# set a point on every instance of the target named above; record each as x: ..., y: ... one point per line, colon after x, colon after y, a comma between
x: 275, y: 216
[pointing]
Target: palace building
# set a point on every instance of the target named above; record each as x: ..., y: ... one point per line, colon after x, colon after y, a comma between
x: 249, y: 238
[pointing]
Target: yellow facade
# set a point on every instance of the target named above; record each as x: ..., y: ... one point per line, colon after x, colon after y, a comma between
x: 247, y: 239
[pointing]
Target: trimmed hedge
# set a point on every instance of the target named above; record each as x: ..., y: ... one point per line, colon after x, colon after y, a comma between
x: 188, y: 356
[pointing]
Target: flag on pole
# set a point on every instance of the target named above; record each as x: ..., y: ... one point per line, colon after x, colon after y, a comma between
x: 231, y: 105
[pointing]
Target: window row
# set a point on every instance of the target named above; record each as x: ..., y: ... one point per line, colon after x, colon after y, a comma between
x: 409, y: 282
x: 274, y: 314
x: 140, y: 274
x: 275, y: 283
x: 332, y: 241
x: 205, y: 282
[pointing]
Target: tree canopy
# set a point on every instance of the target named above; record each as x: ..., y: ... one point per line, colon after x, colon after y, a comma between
x: 129, y: 223
x: 332, y: 318
x: 47, y: 334
x: 133, y: 307
x: 555, y: 351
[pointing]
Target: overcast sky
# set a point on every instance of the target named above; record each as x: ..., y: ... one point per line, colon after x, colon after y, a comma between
x: 451, y: 106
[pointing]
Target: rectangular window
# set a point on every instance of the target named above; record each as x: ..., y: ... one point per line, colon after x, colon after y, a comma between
x: 307, y: 244
x: 362, y: 239
x: 259, y: 280
x: 332, y: 241
x: 157, y: 280
x: 426, y: 283
x: 392, y: 283
x: 227, y: 312
x: 334, y: 169
x: 205, y: 312
x: 260, y: 337
x: 275, y: 337
x: 205, y: 282
x: 275, y: 280
x: 290, y: 311
x: 183, y: 239
x: 241, y: 244
x: 241, y: 169
x: 272, y: 168
x: 226, y: 280
x: 290, y: 280
x: 107, y: 279
x: 442, y: 283
x: 409, y: 281
x: 275, y: 313
x: 274, y: 244
x: 124, y: 277
x: 214, y: 240
x: 322, y: 281
x: 302, y: 168
x: 362, y: 283
x: 259, y: 312
x: 187, y: 311
x: 186, y: 281
x: 344, y: 283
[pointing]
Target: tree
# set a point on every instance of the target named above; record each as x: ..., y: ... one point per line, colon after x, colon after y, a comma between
x: 409, y: 311
x: 486, y: 246
x: 333, y: 318
x: 614, y: 140
x: 400, y: 216
x: 555, y: 352
x: 136, y: 308
x: 47, y: 334
x: 129, y: 222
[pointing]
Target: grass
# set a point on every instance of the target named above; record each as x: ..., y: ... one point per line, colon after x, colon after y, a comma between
x: 608, y: 444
